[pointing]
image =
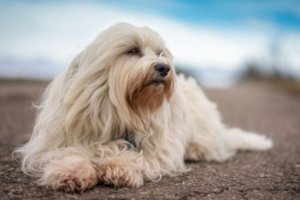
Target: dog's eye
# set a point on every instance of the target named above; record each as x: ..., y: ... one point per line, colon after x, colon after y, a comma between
x: 159, y: 53
x: 134, y: 51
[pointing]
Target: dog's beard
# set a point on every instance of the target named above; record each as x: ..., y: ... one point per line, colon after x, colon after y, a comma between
x: 146, y: 94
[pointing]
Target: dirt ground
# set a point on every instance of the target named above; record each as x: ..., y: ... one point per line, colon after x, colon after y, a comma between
x: 249, y: 175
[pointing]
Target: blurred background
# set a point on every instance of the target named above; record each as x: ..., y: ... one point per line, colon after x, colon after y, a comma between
x: 218, y: 42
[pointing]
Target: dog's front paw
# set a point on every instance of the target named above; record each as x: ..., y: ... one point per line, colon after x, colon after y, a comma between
x: 119, y: 176
x: 72, y: 177
x: 71, y: 183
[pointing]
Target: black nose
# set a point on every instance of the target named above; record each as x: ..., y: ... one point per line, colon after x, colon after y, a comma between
x: 162, y: 69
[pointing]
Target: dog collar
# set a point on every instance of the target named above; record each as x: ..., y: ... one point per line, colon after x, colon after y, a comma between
x: 130, y: 139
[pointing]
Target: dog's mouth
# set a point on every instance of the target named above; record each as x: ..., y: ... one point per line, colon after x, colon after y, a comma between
x: 156, y: 82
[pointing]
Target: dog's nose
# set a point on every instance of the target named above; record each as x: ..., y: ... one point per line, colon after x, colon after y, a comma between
x: 162, y: 69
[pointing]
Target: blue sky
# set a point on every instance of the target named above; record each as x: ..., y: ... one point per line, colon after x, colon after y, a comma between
x: 40, y: 38
x: 232, y: 13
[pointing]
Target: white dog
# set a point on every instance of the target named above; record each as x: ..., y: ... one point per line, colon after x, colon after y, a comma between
x: 119, y: 115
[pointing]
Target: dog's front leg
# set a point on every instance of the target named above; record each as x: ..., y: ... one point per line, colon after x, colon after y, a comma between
x: 119, y: 165
x: 69, y: 173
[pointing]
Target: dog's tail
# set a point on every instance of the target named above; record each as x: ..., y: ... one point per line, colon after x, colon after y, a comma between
x: 241, y: 140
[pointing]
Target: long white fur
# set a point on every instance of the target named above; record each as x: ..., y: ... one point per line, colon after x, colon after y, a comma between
x: 77, y: 138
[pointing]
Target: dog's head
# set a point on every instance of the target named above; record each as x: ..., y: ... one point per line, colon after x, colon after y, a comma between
x: 136, y: 65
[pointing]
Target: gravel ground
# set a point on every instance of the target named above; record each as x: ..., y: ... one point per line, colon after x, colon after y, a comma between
x: 249, y: 175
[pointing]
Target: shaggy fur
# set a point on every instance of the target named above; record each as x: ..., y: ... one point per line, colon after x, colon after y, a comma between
x: 113, y: 118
